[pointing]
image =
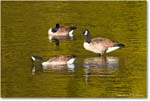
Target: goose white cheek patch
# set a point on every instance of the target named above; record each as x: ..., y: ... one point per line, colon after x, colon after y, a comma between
x: 33, y: 58
x: 85, y: 32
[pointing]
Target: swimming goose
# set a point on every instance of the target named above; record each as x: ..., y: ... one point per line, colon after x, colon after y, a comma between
x: 100, y: 45
x: 61, y: 32
x: 57, y: 60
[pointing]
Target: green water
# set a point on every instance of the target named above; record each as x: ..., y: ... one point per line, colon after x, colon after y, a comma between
x: 24, y: 27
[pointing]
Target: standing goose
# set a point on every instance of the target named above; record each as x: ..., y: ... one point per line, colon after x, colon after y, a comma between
x: 100, y: 45
x: 61, y: 32
x: 57, y: 60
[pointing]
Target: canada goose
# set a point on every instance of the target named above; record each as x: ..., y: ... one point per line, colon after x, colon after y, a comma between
x: 57, y: 60
x: 61, y: 32
x: 100, y: 45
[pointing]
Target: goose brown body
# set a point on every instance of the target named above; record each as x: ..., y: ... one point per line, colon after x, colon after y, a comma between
x: 60, y: 59
x: 56, y: 60
x: 105, y: 42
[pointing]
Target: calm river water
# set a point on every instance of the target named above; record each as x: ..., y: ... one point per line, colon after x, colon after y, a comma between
x: 24, y: 28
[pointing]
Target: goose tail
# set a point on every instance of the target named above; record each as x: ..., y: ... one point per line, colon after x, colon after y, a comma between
x: 73, y: 28
x: 121, y: 45
x: 117, y: 46
x: 72, y: 59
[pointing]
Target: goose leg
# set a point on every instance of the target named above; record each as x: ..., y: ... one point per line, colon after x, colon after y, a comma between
x: 103, y: 53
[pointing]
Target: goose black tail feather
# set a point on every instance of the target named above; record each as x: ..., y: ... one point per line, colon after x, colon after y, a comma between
x: 73, y: 28
x: 120, y: 45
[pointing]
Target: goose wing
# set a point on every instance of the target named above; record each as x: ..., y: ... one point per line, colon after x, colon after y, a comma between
x: 62, y: 31
x: 105, y: 42
x: 66, y: 28
x: 62, y: 58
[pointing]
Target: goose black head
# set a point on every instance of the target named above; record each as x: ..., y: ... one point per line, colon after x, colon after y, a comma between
x: 56, y: 40
x: 57, y: 25
x: 55, y: 29
x: 86, y: 32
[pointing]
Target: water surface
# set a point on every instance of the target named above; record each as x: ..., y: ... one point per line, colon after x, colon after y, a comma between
x: 121, y: 73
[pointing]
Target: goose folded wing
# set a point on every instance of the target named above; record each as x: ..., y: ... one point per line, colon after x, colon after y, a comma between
x: 103, y: 42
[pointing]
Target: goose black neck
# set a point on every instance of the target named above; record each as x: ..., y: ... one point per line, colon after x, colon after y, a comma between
x: 55, y: 29
x: 88, y: 38
x: 36, y: 58
x: 57, y: 26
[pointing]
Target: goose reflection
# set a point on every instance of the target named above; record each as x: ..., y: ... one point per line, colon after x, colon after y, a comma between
x: 68, y: 67
x: 100, y: 66
x: 55, y: 68
x: 103, y: 61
